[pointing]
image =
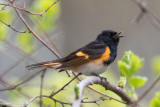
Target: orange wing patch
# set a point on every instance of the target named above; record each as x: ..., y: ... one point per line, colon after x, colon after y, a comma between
x: 82, y: 54
x: 51, y: 64
x: 105, y: 56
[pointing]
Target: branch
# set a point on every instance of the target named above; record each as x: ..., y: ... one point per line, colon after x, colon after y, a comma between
x: 149, y: 89
x: 94, y: 101
x: 4, y: 103
x: 52, y: 94
x: 28, y: 79
x: 38, y: 96
x: 41, y: 86
x: 3, y: 8
x: 61, y: 102
x: 12, y: 27
x: 150, y: 16
x: 108, y: 86
x: 96, y: 91
x: 27, y: 11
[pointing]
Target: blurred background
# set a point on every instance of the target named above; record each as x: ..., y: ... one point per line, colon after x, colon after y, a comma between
x: 66, y: 26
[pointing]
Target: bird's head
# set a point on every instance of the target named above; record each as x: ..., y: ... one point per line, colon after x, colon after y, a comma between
x: 109, y: 36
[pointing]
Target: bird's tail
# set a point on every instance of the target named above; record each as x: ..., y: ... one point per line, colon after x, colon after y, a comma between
x: 49, y: 64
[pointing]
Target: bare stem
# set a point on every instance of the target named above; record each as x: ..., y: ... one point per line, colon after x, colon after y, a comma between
x: 12, y: 27
x: 149, y: 89
x: 27, y: 11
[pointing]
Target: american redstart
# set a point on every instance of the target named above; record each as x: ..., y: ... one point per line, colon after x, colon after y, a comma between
x: 92, y: 59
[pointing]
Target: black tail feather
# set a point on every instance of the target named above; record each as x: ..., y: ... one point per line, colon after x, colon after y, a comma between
x: 38, y: 65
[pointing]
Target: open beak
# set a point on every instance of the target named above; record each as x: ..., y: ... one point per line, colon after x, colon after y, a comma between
x: 117, y: 36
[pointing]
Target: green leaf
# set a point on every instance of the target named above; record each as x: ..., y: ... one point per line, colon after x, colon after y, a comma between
x: 156, y: 64
x: 136, y: 63
x: 130, y: 64
x: 137, y: 81
x: 124, y: 69
x: 155, y: 102
x: 25, y: 42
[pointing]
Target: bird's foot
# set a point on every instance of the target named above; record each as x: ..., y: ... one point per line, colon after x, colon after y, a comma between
x: 102, y: 78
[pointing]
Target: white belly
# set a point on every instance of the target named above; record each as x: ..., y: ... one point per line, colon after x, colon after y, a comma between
x: 91, y: 68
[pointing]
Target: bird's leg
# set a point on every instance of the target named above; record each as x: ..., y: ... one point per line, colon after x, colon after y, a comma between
x: 102, y: 78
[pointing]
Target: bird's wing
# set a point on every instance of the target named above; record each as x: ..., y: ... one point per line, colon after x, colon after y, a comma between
x: 94, y: 51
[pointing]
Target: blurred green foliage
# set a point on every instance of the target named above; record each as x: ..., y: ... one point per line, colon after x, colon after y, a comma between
x: 6, y: 17
x: 48, y: 19
x: 156, y: 64
x: 155, y: 102
x: 25, y: 42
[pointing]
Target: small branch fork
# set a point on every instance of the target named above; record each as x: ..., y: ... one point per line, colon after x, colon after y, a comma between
x: 52, y: 94
x: 145, y: 11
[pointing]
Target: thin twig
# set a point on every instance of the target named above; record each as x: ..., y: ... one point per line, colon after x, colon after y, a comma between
x: 11, y: 67
x: 149, y: 89
x: 28, y: 79
x: 27, y: 11
x: 110, y: 97
x: 49, y: 7
x: 48, y: 38
x: 61, y: 102
x: 148, y: 14
x: 12, y: 27
x: 41, y: 86
x: 38, y: 96
x: 54, y: 93
x: 94, y: 101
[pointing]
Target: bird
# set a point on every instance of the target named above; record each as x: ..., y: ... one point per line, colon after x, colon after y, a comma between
x: 90, y: 60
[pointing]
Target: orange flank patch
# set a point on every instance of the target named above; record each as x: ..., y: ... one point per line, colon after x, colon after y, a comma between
x: 105, y: 56
x: 51, y: 64
x: 82, y: 54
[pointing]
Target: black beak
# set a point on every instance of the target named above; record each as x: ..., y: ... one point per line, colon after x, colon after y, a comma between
x: 117, y: 36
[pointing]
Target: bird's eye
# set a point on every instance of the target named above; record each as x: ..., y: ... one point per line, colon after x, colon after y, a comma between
x: 109, y: 34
